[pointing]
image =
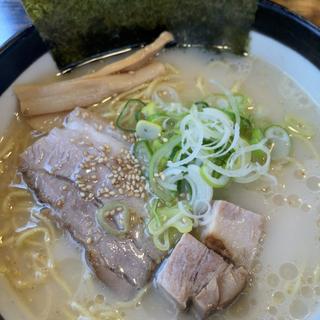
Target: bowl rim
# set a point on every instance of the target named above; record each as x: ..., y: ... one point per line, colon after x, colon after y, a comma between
x: 290, y: 29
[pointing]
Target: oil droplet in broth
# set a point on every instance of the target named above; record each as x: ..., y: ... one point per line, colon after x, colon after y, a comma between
x: 306, y: 207
x: 313, y: 183
x: 99, y: 299
x: 288, y: 271
x: 306, y: 292
x: 300, y: 174
x: 279, y: 200
x: 278, y: 297
x: 273, y: 280
x: 294, y: 201
x: 272, y: 310
x: 298, y: 310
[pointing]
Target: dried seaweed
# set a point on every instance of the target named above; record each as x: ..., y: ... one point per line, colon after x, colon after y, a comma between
x: 78, y: 29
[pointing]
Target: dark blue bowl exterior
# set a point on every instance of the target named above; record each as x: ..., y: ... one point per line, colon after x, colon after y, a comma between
x: 290, y: 29
x: 272, y: 20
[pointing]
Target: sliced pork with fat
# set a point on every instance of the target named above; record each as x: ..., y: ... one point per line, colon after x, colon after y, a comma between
x: 234, y: 233
x: 75, y: 171
x: 196, y: 275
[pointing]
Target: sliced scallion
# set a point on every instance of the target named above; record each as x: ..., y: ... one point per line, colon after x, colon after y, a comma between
x: 163, y: 153
x: 129, y: 116
x: 280, y: 142
x: 143, y: 153
x: 216, y: 182
x: 148, y: 130
x: 109, y: 212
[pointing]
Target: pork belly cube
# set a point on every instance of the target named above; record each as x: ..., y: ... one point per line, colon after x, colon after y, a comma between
x: 234, y: 233
x: 195, y: 274
x: 222, y: 290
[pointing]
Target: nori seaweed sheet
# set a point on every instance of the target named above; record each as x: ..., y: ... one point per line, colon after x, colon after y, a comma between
x: 79, y: 29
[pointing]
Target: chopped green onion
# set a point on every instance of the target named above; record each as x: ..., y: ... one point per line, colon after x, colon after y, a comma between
x: 201, y: 105
x: 245, y: 125
x: 169, y: 124
x: 245, y: 128
x: 208, y: 175
x: 143, y: 153
x: 170, y: 218
x: 157, y: 118
x: 127, y: 120
x: 167, y: 218
x: 163, y: 153
x: 156, y: 144
x: 200, y: 189
x: 184, y: 188
x: 280, y: 142
x: 244, y: 103
x: 109, y: 211
x: 256, y: 137
x: 149, y: 110
x: 148, y: 130
x: 164, y: 244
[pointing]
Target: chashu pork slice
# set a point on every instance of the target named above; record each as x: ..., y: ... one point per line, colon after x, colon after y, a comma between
x: 88, y: 152
x: 234, y: 233
x: 75, y: 171
x: 197, y: 276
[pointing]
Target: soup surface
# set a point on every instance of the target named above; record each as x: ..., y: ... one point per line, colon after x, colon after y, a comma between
x: 47, y: 270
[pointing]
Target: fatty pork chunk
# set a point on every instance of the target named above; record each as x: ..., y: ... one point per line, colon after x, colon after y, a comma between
x: 197, y: 276
x: 234, y: 233
x: 76, y: 170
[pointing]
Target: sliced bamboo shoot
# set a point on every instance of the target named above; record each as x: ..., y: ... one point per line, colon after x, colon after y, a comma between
x: 137, y: 59
x: 68, y: 94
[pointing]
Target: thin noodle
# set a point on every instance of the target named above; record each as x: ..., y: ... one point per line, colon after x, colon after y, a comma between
x: 45, y: 313
x: 171, y: 68
x: 31, y: 232
x: 81, y: 310
x: 67, y: 315
x: 7, y: 242
x: 111, y: 109
x: 60, y: 282
x: 9, y: 147
x: 48, y: 224
x: 17, y: 193
x: 6, y: 228
x: 50, y: 264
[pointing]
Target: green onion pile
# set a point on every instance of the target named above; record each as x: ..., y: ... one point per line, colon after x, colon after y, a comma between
x: 189, y: 153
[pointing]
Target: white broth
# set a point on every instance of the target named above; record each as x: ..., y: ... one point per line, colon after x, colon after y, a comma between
x: 285, y: 283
